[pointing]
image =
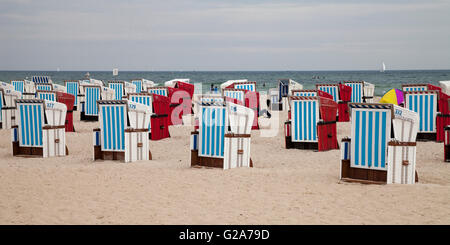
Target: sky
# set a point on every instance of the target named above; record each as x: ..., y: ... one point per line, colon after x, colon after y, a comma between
x: 203, y: 35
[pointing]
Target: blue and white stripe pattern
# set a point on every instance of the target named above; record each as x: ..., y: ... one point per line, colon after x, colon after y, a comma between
x: 235, y: 94
x: 97, y: 138
x: 113, y: 119
x: 357, y: 91
x: 46, y: 95
x: 283, y: 86
x: 145, y: 99
x: 305, y: 116
x: 345, y: 150
x: 73, y: 88
x: 158, y: 91
x: 305, y: 93
x: 246, y: 86
x: 331, y: 89
x: 425, y: 104
x: 18, y: 86
x: 92, y: 95
x: 41, y: 79
x: 119, y: 90
x: 194, y: 141
x: 138, y: 84
x: 371, y: 129
x: 45, y: 87
x: 211, y: 99
x: 31, y: 120
x: 415, y: 88
x: 212, y: 131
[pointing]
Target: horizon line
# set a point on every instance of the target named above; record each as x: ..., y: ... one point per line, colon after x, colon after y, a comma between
x: 219, y: 70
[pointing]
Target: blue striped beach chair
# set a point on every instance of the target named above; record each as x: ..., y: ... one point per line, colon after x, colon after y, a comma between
x: 119, y: 89
x: 312, y: 124
x: 46, y: 95
x: 123, y: 132
x: 26, y: 88
x: 332, y: 89
x: 414, y: 87
x: 382, y: 147
x: 19, y: 85
x: 44, y: 86
x: 41, y: 79
x: 73, y: 88
x: 211, y: 99
x: 223, y: 138
x: 251, y: 86
x: 164, y: 91
x: 8, y: 95
x: 89, y: 109
x: 362, y: 92
x: 425, y: 104
x: 305, y: 92
x: 238, y: 94
x: 285, y: 87
x: 40, y: 130
x: 140, y: 86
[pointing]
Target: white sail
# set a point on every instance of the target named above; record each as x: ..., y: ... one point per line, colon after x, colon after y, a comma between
x: 383, y: 67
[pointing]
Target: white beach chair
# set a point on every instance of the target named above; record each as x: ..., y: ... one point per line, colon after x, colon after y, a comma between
x: 40, y: 130
x: 375, y: 155
x: 223, y: 138
x: 123, y: 132
x: 121, y: 88
x: 8, y: 105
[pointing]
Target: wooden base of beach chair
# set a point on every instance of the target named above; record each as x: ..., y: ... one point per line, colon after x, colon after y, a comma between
x: 84, y: 117
x: 300, y: 145
x: 369, y: 176
x: 426, y: 136
x: 110, y: 155
x: 447, y: 153
x: 26, y: 151
x: 197, y: 161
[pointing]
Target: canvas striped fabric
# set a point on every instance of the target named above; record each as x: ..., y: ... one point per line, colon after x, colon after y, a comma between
x: 246, y: 86
x: 425, y: 104
x: 211, y: 99
x: 41, y: 79
x: 92, y: 95
x: 138, y: 84
x: 18, y: 86
x: 194, y: 141
x: 304, y: 93
x: 415, y: 88
x: 371, y: 129
x: 145, y: 99
x: 73, y: 88
x: 212, y: 131
x: 331, y: 89
x: 31, y: 120
x: 119, y: 90
x: 46, y: 95
x: 305, y: 116
x: 45, y: 87
x: 159, y: 91
x: 113, y: 120
x: 345, y: 150
x: 235, y: 94
x: 357, y: 91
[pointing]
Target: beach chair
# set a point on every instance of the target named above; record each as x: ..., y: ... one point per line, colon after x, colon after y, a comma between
x: 285, y: 87
x: 164, y: 91
x: 172, y: 83
x: 123, y: 132
x: 27, y: 88
x: 251, y: 86
x: 159, y: 105
x: 342, y: 95
x: 40, y: 128
x: 311, y: 92
x: 425, y: 103
x: 247, y: 98
x: 68, y: 100
x: 276, y: 103
x: 223, y: 138
x: 73, y: 88
x: 447, y: 143
x: 142, y: 84
x: 186, y: 98
x: 44, y: 86
x: 121, y: 88
x: 59, y: 88
x: 382, y: 147
x: 41, y: 79
x: 230, y: 83
x: 8, y: 106
x: 89, y: 109
x: 414, y: 87
x: 311, y: 123
x: 46, y: 95
x: 362, y: 92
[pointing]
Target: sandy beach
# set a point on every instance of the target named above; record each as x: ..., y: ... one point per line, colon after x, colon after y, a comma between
x: 284, y: 187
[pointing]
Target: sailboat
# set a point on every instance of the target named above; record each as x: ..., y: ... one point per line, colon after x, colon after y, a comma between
x: 383, y: 67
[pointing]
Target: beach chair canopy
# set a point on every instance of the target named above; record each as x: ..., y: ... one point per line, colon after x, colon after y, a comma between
x: 92, y: 95
x: 332, y: 89
x: 238, y: 94
x: 231, y: 82
x: 44, y: 86
x: 373, y: 126
x: 59, y: 88
x: 164, y: 91
x: 414, y: 87
x: 445, y: 86
x: 425, y: 103
x: 251, y: 86
x: 41, y: 79
x: 46, y: 95
x: 73, y: 88
x: 173, y: 82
